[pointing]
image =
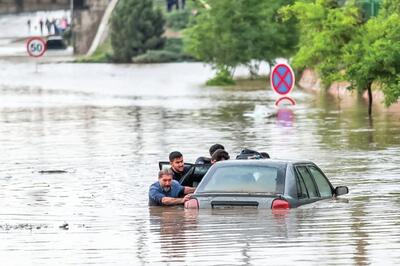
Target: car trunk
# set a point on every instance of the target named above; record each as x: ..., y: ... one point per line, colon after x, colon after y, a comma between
x: 223, y: 201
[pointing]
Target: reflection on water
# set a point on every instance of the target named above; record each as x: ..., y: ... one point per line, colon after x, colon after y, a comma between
x: 82, y: 150
x: 285, y: 117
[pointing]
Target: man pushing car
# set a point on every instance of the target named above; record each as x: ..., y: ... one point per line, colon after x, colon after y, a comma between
x: 167, y: 191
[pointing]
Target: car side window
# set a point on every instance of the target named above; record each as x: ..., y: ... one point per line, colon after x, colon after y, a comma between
x: 324, y: 188
x: 312, y: 190
x: 301, y: 188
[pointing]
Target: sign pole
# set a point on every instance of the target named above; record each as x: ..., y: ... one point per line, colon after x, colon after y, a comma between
x: 36, y: 47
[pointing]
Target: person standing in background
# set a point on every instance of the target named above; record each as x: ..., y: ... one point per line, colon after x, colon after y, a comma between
x: 41, y: 26
x: 29, y: 26
x: 48, y: 26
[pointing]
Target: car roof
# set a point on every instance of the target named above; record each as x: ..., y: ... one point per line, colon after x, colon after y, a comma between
x: 55, y: 37
x: 261, y: 162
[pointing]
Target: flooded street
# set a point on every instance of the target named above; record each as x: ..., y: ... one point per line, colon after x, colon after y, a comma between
x: 80, y: 145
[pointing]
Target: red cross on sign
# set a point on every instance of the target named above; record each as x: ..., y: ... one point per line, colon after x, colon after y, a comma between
x: 282, y: 79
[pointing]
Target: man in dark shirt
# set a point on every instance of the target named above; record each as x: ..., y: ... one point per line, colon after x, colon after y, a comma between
x: 206, y: 160
x: 177, y: 165
x: 167, y: 191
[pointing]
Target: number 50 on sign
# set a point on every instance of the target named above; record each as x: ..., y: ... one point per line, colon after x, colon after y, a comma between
x: 36, y: 46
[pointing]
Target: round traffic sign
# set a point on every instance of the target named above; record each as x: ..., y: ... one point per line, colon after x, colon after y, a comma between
x: 282, y: 79
x: 36, y: 46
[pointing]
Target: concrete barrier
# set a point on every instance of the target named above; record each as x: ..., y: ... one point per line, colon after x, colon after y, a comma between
x: 86, y: 22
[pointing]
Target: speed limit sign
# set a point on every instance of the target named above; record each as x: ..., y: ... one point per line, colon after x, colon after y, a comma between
x: 36, y: 46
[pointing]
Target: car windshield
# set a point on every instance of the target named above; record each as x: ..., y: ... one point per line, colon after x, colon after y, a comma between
x: 245, y: 179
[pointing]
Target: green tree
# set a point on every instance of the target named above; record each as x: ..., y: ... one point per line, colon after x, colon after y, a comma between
x: 339, y: 44
x: 235, y: 32
x: 390, y: 7
x: 135, y: 28
x: 325, y: 29
x: 373, y: 57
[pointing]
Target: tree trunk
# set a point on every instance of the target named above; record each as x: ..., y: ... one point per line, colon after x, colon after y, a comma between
x: 20, y: 5
x: 369, y: 99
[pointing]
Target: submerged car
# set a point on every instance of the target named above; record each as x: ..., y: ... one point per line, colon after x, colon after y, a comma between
x: 276, y: 184
x: 56, y: 42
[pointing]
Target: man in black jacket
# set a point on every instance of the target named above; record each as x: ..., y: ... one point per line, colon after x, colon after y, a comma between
x: 177, y: 165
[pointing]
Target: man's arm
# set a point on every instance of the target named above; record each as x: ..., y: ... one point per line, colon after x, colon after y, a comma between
x: 188, y: 190
x: 174, y: 201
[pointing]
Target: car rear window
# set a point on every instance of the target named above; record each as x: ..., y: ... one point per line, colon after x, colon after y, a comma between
x: 250, y: 179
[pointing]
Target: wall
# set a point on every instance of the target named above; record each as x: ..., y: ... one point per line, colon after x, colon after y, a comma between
x: 85, y: 23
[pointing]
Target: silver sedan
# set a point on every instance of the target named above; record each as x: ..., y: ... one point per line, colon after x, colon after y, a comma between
x: 276, y: 184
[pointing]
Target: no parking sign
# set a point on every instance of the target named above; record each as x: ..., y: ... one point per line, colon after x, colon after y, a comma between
x: 36, y: 46
x: 282, y: 79
x: 282, y: 82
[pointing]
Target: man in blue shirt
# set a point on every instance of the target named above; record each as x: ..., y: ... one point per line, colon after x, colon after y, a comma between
x: 167, y: 191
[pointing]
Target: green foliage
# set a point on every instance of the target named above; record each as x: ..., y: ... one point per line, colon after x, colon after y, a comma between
x: 103, y: 54
x: 178, y: 20
x: 67, y: 35
x: 238, y: 32
x: 174, y: 45
x: 222, y: 78
x: 135, y: 28
x: 172, y: 52
x: 157, y: 56
x: 374, y: 56
x: 325, y: 28
x: 336, y: 41
x: 390, y: 7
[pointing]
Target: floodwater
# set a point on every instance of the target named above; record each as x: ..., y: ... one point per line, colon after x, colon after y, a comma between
x: 80, y: 145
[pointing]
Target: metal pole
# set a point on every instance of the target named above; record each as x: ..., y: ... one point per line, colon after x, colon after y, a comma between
x: 71, y: 24
x: 372, y: 8
x: 71, y: 7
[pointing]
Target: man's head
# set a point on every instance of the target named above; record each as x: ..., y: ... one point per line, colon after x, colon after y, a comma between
x: 215, y: 147
x: 176, y: 161
x: 219, y: 155
x: 165, y: 179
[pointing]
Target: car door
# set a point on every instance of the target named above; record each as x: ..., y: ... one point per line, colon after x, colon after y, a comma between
x: 324, y: 187
x: 307, y: 190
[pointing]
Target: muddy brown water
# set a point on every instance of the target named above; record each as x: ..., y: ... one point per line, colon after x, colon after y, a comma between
x: 80, y: 146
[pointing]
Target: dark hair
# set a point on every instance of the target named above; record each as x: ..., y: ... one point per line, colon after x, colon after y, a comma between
x: 164, y: 172
x: 174, y: 155
x: 215, y: 147
x: 220, y: 155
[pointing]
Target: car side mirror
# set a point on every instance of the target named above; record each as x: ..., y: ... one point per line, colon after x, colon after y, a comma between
x: 341, y: 190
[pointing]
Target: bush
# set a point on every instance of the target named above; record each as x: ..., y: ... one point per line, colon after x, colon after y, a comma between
x: 222, y: 78
x: 178, y: 20
x: 174, y: 45
x: 157, y: 56
x: 172, y: 52
x: 135, y: 28
x: 67, y: 35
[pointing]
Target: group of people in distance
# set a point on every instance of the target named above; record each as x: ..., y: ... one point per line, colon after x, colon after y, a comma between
x: 167, y: 190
